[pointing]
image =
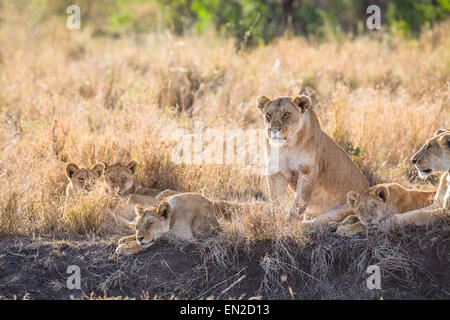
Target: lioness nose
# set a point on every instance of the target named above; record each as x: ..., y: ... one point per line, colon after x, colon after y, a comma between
x: 274, y: 130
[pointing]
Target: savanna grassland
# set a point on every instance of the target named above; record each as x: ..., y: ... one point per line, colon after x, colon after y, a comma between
x: 83, y: 97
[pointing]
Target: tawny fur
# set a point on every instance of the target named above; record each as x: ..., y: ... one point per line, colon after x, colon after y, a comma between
x: 301, y: 155
x: 184, y: 216
x: 119, y: 179
x: 434, y: 156
x: 380, y: 202
x: 81, y: 178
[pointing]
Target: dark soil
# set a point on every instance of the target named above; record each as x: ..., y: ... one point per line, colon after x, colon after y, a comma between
x: 414, y: 264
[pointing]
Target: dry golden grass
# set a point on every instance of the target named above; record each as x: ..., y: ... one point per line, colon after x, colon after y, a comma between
x: 66, y: 96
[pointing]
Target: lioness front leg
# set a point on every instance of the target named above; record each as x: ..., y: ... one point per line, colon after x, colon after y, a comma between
x: 349, y: 230
x: 417, y: 217
x: 277, y: 186
x: 127, y: 239
x: 305, y: 187
x: 128, y: 248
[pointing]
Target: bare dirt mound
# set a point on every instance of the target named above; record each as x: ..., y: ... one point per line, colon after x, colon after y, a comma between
x: 414, y: 264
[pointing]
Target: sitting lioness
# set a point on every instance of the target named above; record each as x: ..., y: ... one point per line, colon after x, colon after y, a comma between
x: 301, y: 155
x: 82, y: 178
x: 379, y: 202
x: 184, y: 216
x: 434, y: 156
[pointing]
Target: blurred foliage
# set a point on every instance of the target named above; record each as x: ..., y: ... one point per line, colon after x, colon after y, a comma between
x: 254, y: 21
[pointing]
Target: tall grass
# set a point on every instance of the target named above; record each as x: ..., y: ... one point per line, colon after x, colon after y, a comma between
x: 67, y: 96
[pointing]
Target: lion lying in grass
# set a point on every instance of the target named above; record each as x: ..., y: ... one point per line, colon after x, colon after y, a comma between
x: 395, y: 205
x: 184, y: 216
x: 82, y: 178
x: 120, y: 180
x: 380, y: 202
x: 434, y: 156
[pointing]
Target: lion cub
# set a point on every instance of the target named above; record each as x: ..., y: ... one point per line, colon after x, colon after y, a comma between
x: 119, y: 179
x: 183, y: 216
x: 82, y: 178
x: 379, y: 203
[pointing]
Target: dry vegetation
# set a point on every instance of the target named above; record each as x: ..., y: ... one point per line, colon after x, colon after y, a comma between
x: 68, y: 96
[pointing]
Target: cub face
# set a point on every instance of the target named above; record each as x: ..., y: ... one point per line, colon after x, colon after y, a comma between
x: 283, y: 116
x: 83, y: 178
x: 370, y: 207
x: 152, y: 222
x: 119, y: 178
x: 434, y: 154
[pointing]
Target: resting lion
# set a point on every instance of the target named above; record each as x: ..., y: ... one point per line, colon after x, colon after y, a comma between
x: 82, y: 178
x: 119, y: 179
x: 184, y: 216
x: 379, y: 203
x: 301, y: 155
x: 434, y: 156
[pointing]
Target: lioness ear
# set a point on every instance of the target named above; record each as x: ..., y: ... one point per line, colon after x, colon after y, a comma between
x: 439, y: 131
x: 352, y: 199
x: 71, y: 168
x: 164, y: 209
x: 139, y: 210
x: 382, y: 193
x: 445, y: 140
x: 132, y: 165
x: 262, y: 101
x: 98, y: 168
x: 303, y: 102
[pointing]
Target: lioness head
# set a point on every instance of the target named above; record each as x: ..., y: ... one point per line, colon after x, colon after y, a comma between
x: 434, y: 154
x: 372, y: 206
x: 283, y: 116
x: 152, y: 222
x: 119, y: 178
x: 83, y: 178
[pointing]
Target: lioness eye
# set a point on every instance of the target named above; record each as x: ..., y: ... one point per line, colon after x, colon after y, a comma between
x: 148, y: 225
x: 81, y: 179
x: 427, y: 147
x: 268, y: 116
x: 286, y: 115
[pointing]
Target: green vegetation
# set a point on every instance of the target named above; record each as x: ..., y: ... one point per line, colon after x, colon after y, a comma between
x: 255, y: 21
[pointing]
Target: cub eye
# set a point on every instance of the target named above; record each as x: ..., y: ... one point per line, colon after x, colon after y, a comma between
x: 81, y: 179
x: 268, y: 116
x: 427, y: 147
x: 148, y: 225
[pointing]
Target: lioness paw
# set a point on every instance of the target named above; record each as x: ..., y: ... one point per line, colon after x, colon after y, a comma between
x: 128, y: 249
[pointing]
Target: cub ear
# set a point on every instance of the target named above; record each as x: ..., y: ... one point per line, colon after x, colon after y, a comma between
x: 352, y: 199
x: 164, y: 209
x: 303, y: 102
x: 139, y: 210
x: 261, y: 102
x: 383, y: 193
x: 445, y: 140
x: 439, y: 131
x: 71, y: 167
x: 132, y: 165
x: 98, y: 168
